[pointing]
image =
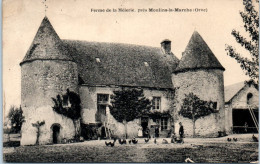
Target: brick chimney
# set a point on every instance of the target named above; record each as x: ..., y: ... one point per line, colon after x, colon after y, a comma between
x: 166, y: 46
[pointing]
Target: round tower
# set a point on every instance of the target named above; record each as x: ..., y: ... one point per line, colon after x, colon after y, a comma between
x: 199, y: 72
x: 46, y: 71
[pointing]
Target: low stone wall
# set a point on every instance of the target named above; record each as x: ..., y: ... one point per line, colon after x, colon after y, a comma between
x: 45, y: 113
x: 119, y: 128
x: 207, y: 126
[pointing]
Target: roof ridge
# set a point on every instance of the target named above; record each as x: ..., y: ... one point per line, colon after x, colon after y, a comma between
x: 110, y: 43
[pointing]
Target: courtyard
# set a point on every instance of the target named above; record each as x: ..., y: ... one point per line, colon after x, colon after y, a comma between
x: 200, y: 150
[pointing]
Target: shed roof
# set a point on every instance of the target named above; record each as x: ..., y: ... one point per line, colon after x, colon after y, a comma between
x: 122, y: 64
x: 198, y: 55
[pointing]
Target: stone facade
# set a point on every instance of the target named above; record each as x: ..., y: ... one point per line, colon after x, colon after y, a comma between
x: 42, y: 80
x: 208, y: 86
x: 89, y: 105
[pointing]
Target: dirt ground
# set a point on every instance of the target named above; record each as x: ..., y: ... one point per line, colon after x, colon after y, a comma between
x: 200, y: 150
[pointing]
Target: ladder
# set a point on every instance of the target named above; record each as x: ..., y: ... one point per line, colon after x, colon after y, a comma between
x: 253, y: 117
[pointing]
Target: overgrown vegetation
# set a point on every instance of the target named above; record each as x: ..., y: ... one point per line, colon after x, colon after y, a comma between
x: 69, y: 106
x: 250, y: 19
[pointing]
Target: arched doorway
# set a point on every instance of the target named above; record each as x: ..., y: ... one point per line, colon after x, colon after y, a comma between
x: 56, y: 133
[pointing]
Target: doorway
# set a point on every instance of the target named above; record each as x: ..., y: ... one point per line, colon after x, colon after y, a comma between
x: 243, y: 122
x: 144, y: 124
x: 55, y: 133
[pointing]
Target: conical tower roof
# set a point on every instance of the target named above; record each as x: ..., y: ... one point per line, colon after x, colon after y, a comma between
x: 47, y: 45
x: 198, y: 55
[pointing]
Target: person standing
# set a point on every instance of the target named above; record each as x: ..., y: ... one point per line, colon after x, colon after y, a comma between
x: 246, y: 126
x: 140, y: 132
x: 181, y: 130
x: 147, y: 132
x: 156, y: 131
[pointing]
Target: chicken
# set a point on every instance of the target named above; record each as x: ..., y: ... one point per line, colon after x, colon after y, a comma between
x: 228, y: 139
x: 146, y: 140
x: 122, y: 141
x: 164, y: 141
x: 134, y: 141
x: 235, y: 139
x: 112, y: 144
x: 179, y: 141
x: 107, y: 144
x: 254, y: 138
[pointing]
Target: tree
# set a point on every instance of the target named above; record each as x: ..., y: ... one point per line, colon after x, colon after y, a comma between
x: 69, y: 106
x: 194, y: 108
x: 16, y: 118
x: 251, y: 24
x: 38, y: 132
x: 128, y: 104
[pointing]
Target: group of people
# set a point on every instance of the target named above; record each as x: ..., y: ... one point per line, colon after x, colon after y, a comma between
x: 146, y: 132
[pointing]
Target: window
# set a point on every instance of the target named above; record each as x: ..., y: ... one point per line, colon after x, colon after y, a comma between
x: 101, y: 109
x: 249, y: 98
x: 156, y: 103
x: 164, y: 122
x: 102, y: 102
x: 102, y: 98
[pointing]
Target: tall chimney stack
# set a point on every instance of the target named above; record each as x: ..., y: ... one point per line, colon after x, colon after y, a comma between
x: 166, y: 46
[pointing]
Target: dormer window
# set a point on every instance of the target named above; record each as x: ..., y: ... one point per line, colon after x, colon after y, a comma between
x: 98, y: 60
x: 146, y: 64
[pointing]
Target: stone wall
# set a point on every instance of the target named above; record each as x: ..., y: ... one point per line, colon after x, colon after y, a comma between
x: 207, y: 85
x: 45, y: 113
x: 41, y: 80
x: 239, y: 101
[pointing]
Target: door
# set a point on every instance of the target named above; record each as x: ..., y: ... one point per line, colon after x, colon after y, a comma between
x: 144, y: 124
x: 56, y: 132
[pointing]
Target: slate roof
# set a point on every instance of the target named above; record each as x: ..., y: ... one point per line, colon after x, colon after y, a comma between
x: 122, y: 64
x: 117, y: 63
x: 46, y: 45
x: 198, y: 55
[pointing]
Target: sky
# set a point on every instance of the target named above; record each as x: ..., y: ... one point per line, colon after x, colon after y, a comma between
x: 73, y: 19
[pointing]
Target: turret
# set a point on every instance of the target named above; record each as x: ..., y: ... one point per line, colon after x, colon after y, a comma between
x: 47, y: 68
x: 200, y: 72
x: 46, y: 71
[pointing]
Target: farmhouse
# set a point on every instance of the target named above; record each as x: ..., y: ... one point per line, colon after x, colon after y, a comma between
x: 94, y: 70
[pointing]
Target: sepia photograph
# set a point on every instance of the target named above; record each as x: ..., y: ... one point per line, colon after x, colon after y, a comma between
x: 130, y: 81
